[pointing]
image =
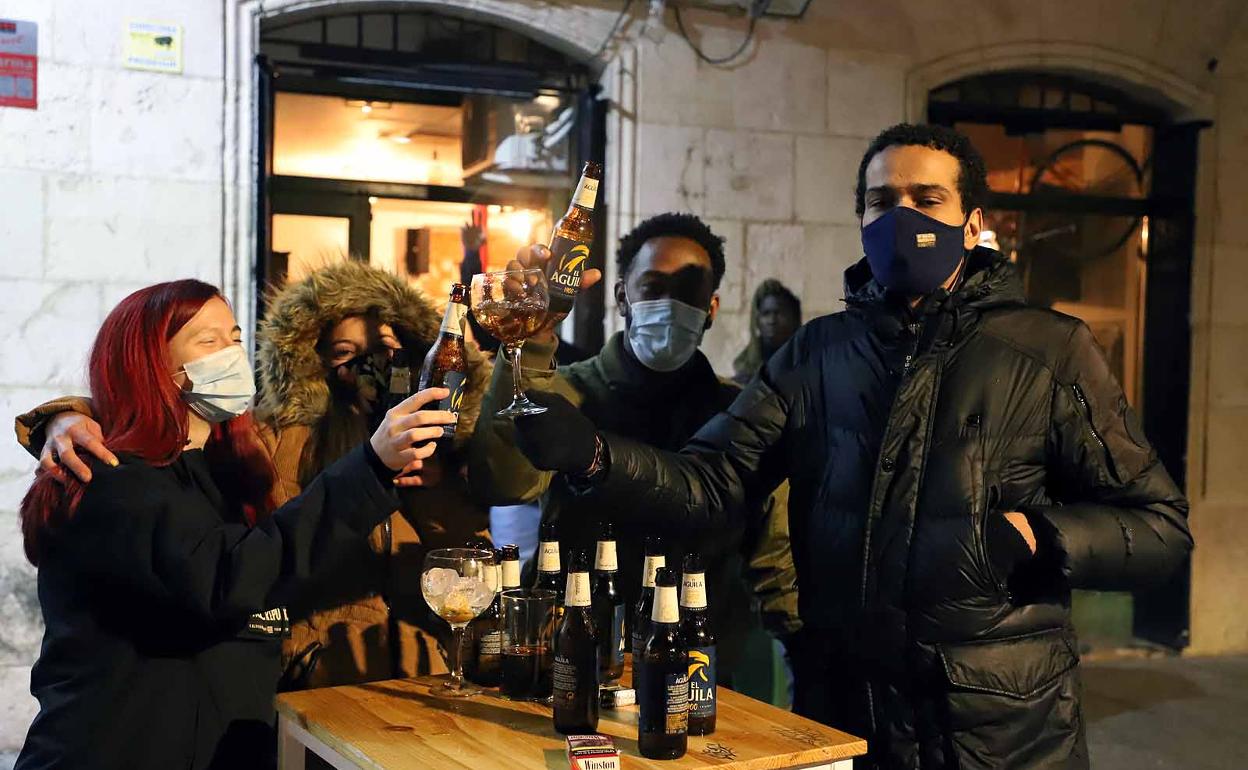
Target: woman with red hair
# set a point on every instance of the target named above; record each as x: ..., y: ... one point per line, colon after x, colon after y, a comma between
x: 163, y: 582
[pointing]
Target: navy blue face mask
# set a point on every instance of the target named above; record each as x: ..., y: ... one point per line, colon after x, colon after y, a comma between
x: 911, y: 253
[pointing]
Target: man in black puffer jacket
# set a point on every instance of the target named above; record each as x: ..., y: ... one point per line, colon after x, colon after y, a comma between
x: 959, y: 462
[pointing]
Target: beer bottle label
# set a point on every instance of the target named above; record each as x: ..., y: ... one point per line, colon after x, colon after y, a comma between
x: 490, y: 643
x: 676, y: 713
x: 548, y: 557
x: 651, y: 569
x: 702, y: 681
x: 454, y: 382
x: 568, y: 260
x: 511, y: 574
x: 663, y: 697
x: 564, y: 674
x: 577, y: 593
x: 617, y: 634
x: 605, y: 560
x: 586, y: 194
x: 693, y: 590
x: 665, y: 609
x: 452, y: 321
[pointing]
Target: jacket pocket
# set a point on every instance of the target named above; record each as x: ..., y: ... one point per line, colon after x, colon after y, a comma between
x: 1017, y: 667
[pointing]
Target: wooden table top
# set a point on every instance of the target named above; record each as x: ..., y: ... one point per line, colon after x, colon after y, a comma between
x: 397, y: 724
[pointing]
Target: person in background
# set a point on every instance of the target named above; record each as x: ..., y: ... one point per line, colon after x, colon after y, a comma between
x: 775, y: 316
x: 653, y: 384
x: 163, y: 582
x: 325, y: 348
x: 960, y: 462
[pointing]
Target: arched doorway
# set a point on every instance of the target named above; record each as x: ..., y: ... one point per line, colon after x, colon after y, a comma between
x: 1092, y: 193
x: 382, y: 130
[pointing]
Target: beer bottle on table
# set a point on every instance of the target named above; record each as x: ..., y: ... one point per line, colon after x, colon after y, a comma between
x: 549, y: 573
x: 608, y: 607
x: 575, y: 670
x: 445, y: 365
x: 699, y: 641
x: 663, y: 724
x: 510, y: 566
x: 484, y: 663
x: 570, y: 243
x: 644, y: 607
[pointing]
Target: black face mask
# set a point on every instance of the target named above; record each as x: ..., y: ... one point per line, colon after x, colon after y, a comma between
x: 911, y: 253
x: 369, y: 381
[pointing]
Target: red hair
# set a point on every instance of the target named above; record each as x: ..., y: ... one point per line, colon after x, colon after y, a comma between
x: 141, y: 412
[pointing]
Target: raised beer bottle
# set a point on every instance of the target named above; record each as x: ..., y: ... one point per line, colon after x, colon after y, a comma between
x: 575, y: 670
x: 608, y: 607
x: 699, y: 641
x: 549, y: 573
x: 663, y: 724
x: 570, y: 244
x: 445, y: 365
x: 484, y: 642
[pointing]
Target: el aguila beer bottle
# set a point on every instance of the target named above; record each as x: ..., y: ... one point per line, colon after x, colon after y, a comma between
x: 570, y: 244
x: 445, y: 365
x: 663, y: 722
x: 699, y: 641
x: 608, y: 607
x: 575, y: 670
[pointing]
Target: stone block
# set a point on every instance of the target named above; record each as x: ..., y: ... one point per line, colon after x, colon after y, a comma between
x: 154, y: 126
x: 749, y: 175
x: 93, y: 34
x: 726, y: 338
x: 1231, y: 226
x: 809, y: 259
x: 1219, y: 624
x: 1227, y: 455
x: 1228, y: 367
x: 826, y: 168
x: 866, y: 92
x: 17, y: 706
x: 133, y: 231
x: 54, y: 137
x: 670, y: 169
x: 783, y: 87
x: 1230, y: 285
x: 22, y: 630
x: 673, y: 87
x: 732, y: 296
x: 1232, y: 121
x: 21, y: 223
x: 46, y: 329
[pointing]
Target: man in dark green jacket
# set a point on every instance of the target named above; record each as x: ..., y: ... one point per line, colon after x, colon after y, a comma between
x: 650, y: 383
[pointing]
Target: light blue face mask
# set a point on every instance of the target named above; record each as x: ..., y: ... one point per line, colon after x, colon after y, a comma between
x: 221, y: 384
x: 665, y: 333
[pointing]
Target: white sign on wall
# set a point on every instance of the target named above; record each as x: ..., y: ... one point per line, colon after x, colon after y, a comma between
x: 153, y: 46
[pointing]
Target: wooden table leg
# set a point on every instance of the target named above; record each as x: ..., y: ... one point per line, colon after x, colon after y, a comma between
x: 290, y: 752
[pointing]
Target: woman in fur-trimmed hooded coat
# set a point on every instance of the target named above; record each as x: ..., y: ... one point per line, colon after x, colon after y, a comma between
x: 312, y: 404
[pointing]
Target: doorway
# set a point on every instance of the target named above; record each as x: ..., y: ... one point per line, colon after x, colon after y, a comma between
x: 396, y: 138
x: 1091, y: 195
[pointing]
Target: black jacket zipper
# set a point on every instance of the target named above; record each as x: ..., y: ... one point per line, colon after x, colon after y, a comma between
x: 1087, y: 414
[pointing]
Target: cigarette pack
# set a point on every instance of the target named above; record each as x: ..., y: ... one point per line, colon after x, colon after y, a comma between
x: 592, y: 752
x: 617, y: 696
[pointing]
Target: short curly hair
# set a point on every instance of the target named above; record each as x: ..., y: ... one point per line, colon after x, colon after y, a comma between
x: 972, y: 173
x: 672, y: 225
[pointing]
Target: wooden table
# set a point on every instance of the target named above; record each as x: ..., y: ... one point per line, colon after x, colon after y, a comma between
x: 398, y: 725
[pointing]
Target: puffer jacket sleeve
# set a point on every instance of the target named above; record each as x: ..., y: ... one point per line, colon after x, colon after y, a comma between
x: 187, y: 557
x: 712, y: 481
x: 498, y: 473
x: 1119, y: 521
x: 31, y: 427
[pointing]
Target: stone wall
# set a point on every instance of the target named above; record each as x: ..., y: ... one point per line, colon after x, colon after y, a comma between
x: 123, y: 178
x: 112, y: 184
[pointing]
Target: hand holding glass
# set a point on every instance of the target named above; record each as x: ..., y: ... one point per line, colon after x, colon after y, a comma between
x: 512, y: 305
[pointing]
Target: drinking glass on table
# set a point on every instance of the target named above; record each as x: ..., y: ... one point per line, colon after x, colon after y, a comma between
x: 512, y: 305
x: 528, y: 627
x: 456, y: 583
